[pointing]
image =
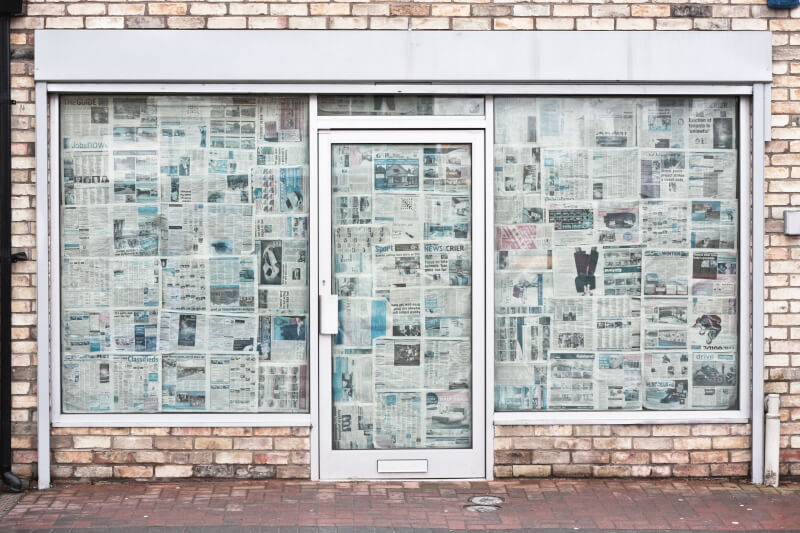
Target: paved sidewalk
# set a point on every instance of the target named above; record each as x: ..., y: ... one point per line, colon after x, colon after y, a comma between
x: 306, y: 507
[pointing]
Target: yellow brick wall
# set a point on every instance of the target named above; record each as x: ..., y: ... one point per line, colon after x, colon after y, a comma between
x: 647, y: 450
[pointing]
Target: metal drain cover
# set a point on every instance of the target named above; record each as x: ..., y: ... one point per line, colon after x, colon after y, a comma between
x: 486, y: 500
x: 481, y: 508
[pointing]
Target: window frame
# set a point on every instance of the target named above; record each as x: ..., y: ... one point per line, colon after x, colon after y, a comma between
x: 316, y: 123
x: 677, y: 416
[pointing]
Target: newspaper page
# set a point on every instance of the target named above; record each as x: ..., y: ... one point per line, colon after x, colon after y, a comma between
x: 616, y: 223
x: 86, y: 179
x: 713, y: 325
x: 518, y: 168
x: 183, y: 382
x: 352, y: 375
x: 665, y: 323
x: 714, y: 224
x: 522, y: 338
x: 712, y: 174
x: 614, y: 173
x: 714, y: 273
x: 231, y: 333
x: 666, y: 380
x: 662, y: 122
x: 184, y: 286
x: 663, y: 174
x: 573, y: 224
x: 565, y: 174
x: 520, y: 387
x: 182, y: 332
x: 448, y: 312
x: 665, y: 224
x: 86, y: 383
x: 135, y: 176
x: 136, y: 382
x: 85, y: 231
x: 85, y: 283
x: 715, y: 381
x: 622, y: 270
x: 184, y: 230
x: 402, y: 213
x: 711, y: 123
x: 572, y: 383
x: 233, y: 383
x: 136, y: 230
x: 612, y: 122
x: 447, y: 168
x: 666, y: 273
x: 617, y: 324
x: 135, y: 282
x: 448, y: 419
x: 134, y: 330
x: 398, y: 421
x: 398, y: 364
x: 353, y: 426
x: 619, y: 381
x: 283, y: 388
x: 232, y: 284
x: 229, y: 229
x: 86, y: 331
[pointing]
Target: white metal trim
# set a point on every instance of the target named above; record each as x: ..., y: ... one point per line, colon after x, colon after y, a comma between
x: 52, y: 312
x: 54, y: 211
x: 449, y: 457
x: 744, y: 297
x: 313, y: 281
x: 488, y: 225
x: 42, y: 293
x: 766, y: 89
x: 757, y: 437
x: 161, y: 420
x: 389, y: 56
x: 400, y: 122
x: 619, y: 417
x: 482, y: 88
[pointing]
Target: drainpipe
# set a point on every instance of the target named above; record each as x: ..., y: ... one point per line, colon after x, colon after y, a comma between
x: 772, y: 441
x: 7, y: 8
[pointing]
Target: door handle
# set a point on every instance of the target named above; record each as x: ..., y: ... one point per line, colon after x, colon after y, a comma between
x: 328, y: 314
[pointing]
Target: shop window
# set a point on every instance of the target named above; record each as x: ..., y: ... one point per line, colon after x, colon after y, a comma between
x: 184, y: 254
x: 402, y: 104
x: 616, y: 261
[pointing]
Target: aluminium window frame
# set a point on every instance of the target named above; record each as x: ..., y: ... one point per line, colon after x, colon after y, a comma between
x: 753, y: 106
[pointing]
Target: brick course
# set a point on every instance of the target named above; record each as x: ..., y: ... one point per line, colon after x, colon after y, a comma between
x: 639, y: 451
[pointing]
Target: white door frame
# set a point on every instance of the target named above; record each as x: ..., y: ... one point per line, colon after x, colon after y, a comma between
x: 441, y: 463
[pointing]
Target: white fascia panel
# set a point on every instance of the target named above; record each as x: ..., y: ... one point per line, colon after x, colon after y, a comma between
x: 320, y: 56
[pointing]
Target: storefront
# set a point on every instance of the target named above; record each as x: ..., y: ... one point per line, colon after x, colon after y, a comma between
x: 400, y: 254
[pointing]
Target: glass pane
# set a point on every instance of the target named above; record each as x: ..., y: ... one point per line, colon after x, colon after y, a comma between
x: 184, y: 245
x: 404, y: 104
x: 402, y: 269
x: 616, y: 275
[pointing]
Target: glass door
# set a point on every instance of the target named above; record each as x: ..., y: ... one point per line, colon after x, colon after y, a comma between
x: 402, y: 358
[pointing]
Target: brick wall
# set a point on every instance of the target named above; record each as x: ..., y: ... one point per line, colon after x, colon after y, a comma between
x: 680, y: 450
x: 648, y: 450
x: 146, y: 453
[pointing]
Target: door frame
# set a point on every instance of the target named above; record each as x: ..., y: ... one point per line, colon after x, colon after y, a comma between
x: 448, y: 460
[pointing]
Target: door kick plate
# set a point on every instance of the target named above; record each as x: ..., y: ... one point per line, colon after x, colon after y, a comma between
x: 402, y: 466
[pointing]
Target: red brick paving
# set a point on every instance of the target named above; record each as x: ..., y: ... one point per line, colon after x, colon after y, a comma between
x: 535, y: 504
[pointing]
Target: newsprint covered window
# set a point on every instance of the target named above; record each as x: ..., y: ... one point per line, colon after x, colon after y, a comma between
x: 616, y: 254
x: 184, y: 254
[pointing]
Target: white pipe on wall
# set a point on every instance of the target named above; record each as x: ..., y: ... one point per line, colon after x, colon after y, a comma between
x: 772, y: 441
